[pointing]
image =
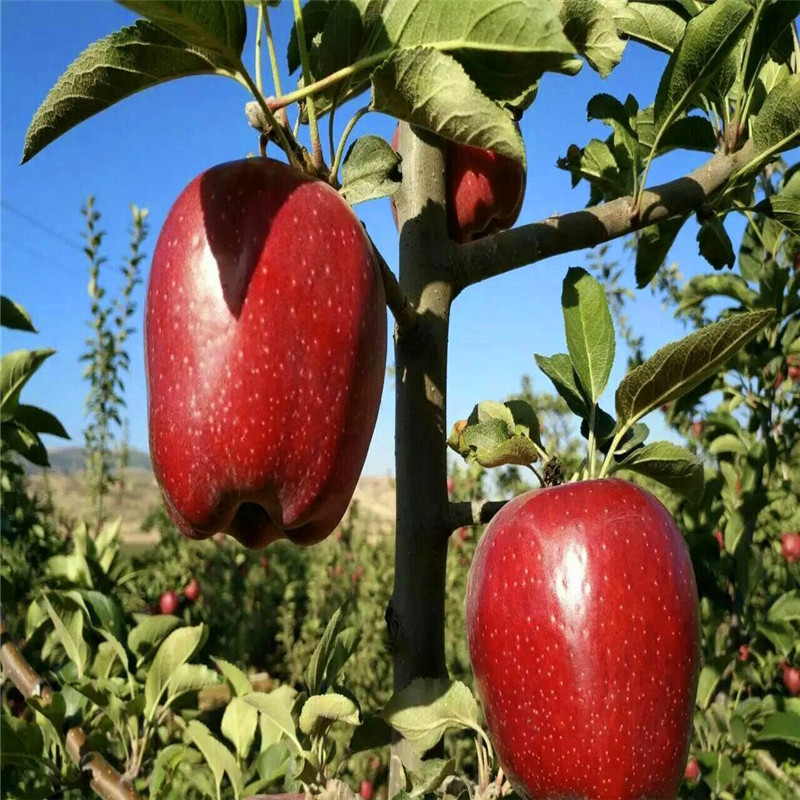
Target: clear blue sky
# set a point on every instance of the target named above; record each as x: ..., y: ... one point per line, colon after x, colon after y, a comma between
x: 147, y: 148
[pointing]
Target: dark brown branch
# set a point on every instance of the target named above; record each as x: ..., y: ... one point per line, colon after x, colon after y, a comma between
x: 105, y: 780
x: 404, y: 313
x: 477, y: 512
x: 502, y: 252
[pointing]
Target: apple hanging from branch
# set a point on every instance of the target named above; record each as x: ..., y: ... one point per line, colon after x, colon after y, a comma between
x: 265, y: 339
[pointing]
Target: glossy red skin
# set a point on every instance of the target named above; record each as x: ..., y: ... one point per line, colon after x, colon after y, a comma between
x: 192, y: 590
x: 790, y: 547
x: 168, y: 602
x: 583, y: 630
x: 265, y: 341
x: 485, y: 191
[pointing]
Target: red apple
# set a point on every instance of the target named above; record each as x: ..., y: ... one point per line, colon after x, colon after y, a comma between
x: 451, y: 484
x: 744, y: 653
x: 463, y: 534
x: 790, y: 546
x: 168, y: 602
x: 692, y: 771
x: 484, y: 191
x: 791, y: 679
x: 192, y: 590
x: 265, y: 334
x: 794, y: 373
x: 583, y: 630
x: 365, y: 790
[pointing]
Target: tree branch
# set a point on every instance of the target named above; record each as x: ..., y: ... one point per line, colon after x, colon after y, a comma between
x: 477, y: 512
x: 518, y: 247
x: 105, y: 780
x: 404, y: 313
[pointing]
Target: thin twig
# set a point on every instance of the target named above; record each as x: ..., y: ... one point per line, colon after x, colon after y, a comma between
x: 475, y: 512
x: 518, y: 247
x: 768, y: 764
x: 405, y: 315
x: 105, y: 780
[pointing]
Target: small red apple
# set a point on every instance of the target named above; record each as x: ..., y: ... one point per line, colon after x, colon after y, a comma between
x: 794, y: 373
x: 265, y: 344
x: 720, y: 539
x: 451, y: 484
x: 463, y: 534
x: 365, y: 790
x: 192, y: 590
x: 484, y: 191
x: 168, y: 602
x: 692, y: 772
x: 583, y: 631
x: 744, y: 653
x: 791, y: 679
x: 790, y: 547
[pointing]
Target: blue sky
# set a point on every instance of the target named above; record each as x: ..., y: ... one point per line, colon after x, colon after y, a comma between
x: 145, y: 149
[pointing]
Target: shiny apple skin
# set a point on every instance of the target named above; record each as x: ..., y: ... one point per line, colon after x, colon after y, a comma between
x: 265, y: 344
x: 583, y: 630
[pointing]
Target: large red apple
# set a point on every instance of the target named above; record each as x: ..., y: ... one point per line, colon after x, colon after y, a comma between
x: 583, y: 630
x: 265, y: 337
x: 484, y: 191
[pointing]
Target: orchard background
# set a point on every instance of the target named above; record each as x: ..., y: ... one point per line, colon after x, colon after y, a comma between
x: 201, y: 669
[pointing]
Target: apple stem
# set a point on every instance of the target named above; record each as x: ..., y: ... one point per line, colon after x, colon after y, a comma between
x: 316, y: 146
x: 273, y: 60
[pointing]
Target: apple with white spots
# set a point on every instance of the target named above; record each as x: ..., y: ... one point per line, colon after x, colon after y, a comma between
x: 265, y: 339
x: 583, y: 630
x: 484, y: 191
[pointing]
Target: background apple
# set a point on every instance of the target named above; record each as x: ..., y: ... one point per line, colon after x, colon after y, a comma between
x: 583, y: 630
x: 192, y: 590
x: 168, y: 602
x: 790, y: 546
x: 265, y: 333
x: 484, y: 191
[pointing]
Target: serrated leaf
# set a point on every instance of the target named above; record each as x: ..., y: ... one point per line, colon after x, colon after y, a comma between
x: 678, y: 367
x: 238, y: 681
x: 239, y: 725
x: 565, y: 380
x: 701, y: 287
x: 786, y: 608
x: 14, y: 316
x: 110, y: 70
x: 276, y: 714
x: 189, y: 678
x: 39, y: 421
x: 670, y: 465
x: 149, y: 633
x: 432, y: 90
x: 777, y: 126
x: 175, y: 650
x: 370, y: 170
x: 589, y: 331
x: 589, y: 25
x: 774, y: 21
x: 597, y: 164
x: 428, y: 707
x: 708, y: 39
x: 320, y: 711
x: 656, y: 25
x: 715, y: 244
x: 781, y: 727
x: 16, y: 369
x: 653, y: 244
x: 217, y: 756
x: 217, y: 26
x: 315, y: 671
x: 430, y: 775
x: 784, y: 206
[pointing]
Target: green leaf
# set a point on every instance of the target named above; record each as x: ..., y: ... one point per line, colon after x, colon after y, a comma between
x: 273, y: 762
x: 428, y: 707
x: 276, y: 714
x: 370, y: 170
x: 777, y: 126
x: 110, y: 70
x: 70, y: 635
x: 597, y: 164
x: 218, y: 26
x: 239, y: 725
x: 784, y: 207
x: 589, y: 330
x: 430, y: 775
x: 781, y: 634
x: 39, y: 421
x: 781, y: 727
x: 189, y: 678
x: 715, y: 244
x: 217, y: 756
x: 688, y: 133
x: 734, y: 532
x: 707, y: 684
x: 591, y: 29
x: 149, y: 634
x: 14, y: 316
x: 315, y: 15
x: 678, y: 367
x: 16, y: 369
x: 21, y: 440
x: 431, y: 89
x: 344, y: 647
x: 565, y: 380
x: 372, y: 734
x: 315, y: 671
x: 237, y: 680
x: 653, y: 244
x: 773, y: 27
x: 320, y: 711
x: 611, y: 111
x: 701, y: 287
x: 656, y: 25
x: 176, y: 649
x: 20, y: 741
x: 707, y: 41
x: 786, y: 608
x: 670, y: 465
x: 344, y: 36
